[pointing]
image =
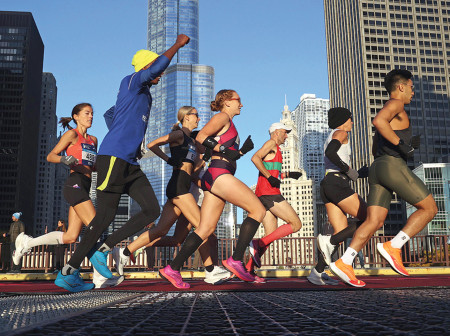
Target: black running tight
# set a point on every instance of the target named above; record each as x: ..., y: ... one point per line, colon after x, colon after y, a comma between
x: 142, y: 192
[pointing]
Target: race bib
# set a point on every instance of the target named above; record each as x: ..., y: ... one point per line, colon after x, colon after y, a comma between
x: 88, y: 154
x: 191, y: 154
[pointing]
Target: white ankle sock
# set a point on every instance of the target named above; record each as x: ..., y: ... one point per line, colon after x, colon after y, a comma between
x: 52, y: 238
x: 399, y: 240
x: 349, y: 255
x: 104, y: 248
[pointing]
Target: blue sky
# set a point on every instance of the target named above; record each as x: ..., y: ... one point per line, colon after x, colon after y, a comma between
x: 261, y: 48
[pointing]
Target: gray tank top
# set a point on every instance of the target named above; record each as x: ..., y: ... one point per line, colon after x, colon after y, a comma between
x: 343, y: 152
x: 387, y: 148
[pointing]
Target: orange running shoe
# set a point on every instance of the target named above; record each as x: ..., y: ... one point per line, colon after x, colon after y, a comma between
x: 393, y: 256
x: 346, y: 273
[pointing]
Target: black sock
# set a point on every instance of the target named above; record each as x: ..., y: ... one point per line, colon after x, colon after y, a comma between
x: 191, y: 244
x: 321, y: 264
x: 209, y: 268
x: 248, y: 229
x: 126, y: 252
x: 344, y: 234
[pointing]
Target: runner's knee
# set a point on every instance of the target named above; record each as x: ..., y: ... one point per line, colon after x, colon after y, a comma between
x: 70, y: 238
x: 160, y: 232
x: 368, y: 228
x: 296, y: 225
x: 258, y: 212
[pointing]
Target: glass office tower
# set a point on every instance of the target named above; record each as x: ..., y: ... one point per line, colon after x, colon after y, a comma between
x: 45, y: 173
x: 21, y: 58
x: 436, y: 176
x: 311, y: 119
x: 185, y: 82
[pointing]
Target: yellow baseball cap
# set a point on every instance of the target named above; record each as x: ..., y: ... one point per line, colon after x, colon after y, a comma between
x: 142, y: 58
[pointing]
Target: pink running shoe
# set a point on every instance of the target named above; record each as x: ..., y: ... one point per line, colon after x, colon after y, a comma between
x: 238, y: 269
x: 259, y: 280
x: 174, y: 277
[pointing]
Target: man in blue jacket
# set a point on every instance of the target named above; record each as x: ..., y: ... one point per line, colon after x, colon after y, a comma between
x: 118, y: 171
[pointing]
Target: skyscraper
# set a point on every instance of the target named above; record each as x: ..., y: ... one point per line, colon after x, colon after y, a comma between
x: 311, y: 119
x: 61, y: 207
x: 436, y: 177
x: 21, y: 57
x: 45, y: 173
x: 365, y: 40
x: 185, y: 82
x: 299, y: 193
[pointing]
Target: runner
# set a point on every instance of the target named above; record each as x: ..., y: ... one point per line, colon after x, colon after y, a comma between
x: 117, y: 166
x: 220, y: 185
x: 393, y: 146
x: 81, y: 152
x: 268, y: 160
x: 336, y: 192
x: 179, y: 199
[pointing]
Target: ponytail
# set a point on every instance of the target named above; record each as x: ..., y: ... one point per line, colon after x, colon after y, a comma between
x: 176, y: 127
x: 64, y: 121
x: 221, y: 97
x: 182, y: 112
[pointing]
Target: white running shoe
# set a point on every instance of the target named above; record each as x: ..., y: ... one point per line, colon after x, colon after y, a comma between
x: 21, y: 247
x: 217, y: 276
x: 101, y: 282
x: 120, y: 259
x: 323, y: 242
x: 321, y: 279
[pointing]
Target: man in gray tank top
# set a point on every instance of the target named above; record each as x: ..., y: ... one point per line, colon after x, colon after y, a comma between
x: 388, y: 173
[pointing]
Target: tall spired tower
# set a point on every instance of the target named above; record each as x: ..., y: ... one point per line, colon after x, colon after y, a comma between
x: 185, y: 82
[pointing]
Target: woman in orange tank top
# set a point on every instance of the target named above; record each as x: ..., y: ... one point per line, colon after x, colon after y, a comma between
x: 81, y: 151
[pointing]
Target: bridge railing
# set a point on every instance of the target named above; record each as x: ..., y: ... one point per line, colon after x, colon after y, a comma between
x: 420, y: 251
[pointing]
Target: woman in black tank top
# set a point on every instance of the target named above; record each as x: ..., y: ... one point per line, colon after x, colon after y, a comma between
x: 180, y: 201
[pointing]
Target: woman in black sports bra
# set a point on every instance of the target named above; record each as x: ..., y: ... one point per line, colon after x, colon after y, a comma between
x: 184, y: 159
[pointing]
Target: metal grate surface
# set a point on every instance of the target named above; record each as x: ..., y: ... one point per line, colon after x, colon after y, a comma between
x: 365, y: 312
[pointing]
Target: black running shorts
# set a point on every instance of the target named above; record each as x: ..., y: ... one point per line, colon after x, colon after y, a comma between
x: 179, y: 184
x: 335, y: 187
x: 76, y: 189
x: 115, y: 175
x: 269, y: 200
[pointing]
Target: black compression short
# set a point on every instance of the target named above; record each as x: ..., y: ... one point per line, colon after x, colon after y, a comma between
x: 76, y: 189
x: 179, y: 184
x: 335, y: 187
x: 269, y: 200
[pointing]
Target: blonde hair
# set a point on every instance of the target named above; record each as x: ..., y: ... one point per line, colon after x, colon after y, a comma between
x: 182, y: 112
x: 221, y: 97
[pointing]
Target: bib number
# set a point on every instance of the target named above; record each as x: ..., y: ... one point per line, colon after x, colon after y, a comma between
x: 191, y: 154
x: 88, y: 154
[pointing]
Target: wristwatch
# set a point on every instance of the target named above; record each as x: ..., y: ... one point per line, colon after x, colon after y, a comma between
x: 222, y: 148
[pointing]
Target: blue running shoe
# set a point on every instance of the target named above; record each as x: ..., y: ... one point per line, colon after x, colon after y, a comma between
x: 72, y: 282
x: 100, y: 262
